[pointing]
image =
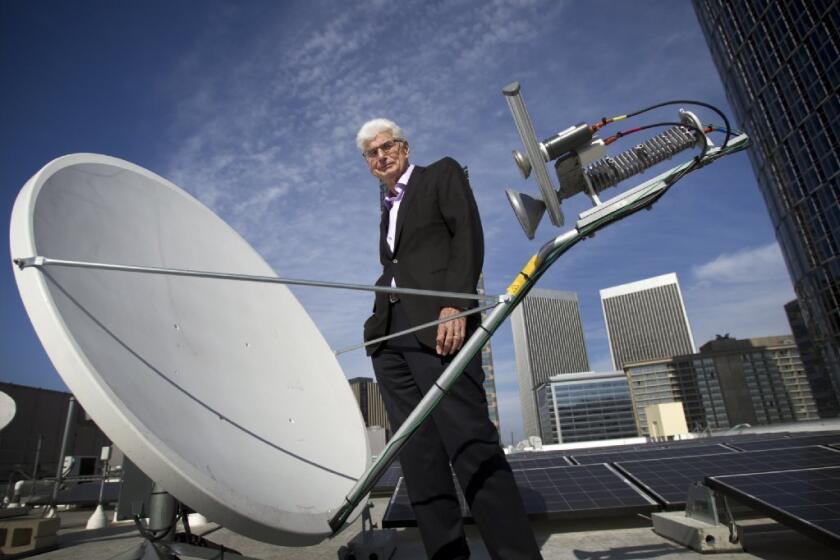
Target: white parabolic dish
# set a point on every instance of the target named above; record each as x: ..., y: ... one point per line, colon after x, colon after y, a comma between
x: 7, y: 409
x: 225, y: 392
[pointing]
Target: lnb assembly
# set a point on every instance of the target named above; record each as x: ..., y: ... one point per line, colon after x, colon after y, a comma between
x: 580, y: 158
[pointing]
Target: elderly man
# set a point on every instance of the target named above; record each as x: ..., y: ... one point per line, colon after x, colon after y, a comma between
x: 431, y: 238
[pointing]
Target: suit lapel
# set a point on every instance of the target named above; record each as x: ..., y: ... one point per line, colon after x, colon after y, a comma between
x: 383, y: 234
x: 411, y: 193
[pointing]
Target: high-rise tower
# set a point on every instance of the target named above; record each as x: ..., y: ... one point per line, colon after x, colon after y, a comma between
x: 780, y: 66
x: 367, y: 394
x: 646, y: 320
x: 547, y: 340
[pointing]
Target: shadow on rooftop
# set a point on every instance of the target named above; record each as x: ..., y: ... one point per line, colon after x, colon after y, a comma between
x: 631, y: 552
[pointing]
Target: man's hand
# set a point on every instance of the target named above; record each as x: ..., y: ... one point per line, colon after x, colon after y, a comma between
x: 450, y: 335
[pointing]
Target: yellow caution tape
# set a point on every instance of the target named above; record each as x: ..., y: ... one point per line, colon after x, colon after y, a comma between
x: 523, y: 275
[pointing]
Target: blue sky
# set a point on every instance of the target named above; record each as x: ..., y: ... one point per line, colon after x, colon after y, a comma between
x: 253, y: 108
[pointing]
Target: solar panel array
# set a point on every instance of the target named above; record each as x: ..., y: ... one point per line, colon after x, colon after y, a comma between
x: 580, y: 491
x: 805, y: 499
x: 538, y: 461
x: 794, y: 478
x: 519, y: 461
x: 551, y: 493
x: 668, y: 480
x: 662, y: 453
x: 792, y: 441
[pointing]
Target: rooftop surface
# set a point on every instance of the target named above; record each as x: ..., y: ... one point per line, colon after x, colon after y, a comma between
x: 626, y: 539
x: 629, y: 537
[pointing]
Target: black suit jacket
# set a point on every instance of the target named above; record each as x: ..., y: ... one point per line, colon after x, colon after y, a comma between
x: 439, y: 245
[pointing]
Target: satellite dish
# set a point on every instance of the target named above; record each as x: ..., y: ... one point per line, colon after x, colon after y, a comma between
x: 7, y: 409
x: 224, y: 392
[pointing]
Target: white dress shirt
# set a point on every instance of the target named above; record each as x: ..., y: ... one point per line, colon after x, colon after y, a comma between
x: 395, y: 209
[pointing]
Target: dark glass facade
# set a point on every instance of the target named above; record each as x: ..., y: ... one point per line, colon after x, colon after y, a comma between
x: 780, y: 66
x: 751, y: 383
x: 815, y: 368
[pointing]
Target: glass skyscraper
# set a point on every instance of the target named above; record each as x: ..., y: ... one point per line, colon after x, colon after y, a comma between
x: 587, y: 406
x: 780, y: 66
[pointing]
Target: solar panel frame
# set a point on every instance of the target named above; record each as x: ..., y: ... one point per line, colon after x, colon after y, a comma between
x: 388, y: 482
x: 668, y: 480
x: 540, y: 463
x: 531, y: 455
x: 643, y: 454
x: 791, y: 441
x: 791, y: 492
x: 590, y: 491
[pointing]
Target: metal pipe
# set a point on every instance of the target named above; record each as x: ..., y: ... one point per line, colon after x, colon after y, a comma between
x: 102, y: 483
x: 40, y: 261
x: 59, y: 474
x: 162, y: 514
x: 37, y: 458
x: 417, y: 328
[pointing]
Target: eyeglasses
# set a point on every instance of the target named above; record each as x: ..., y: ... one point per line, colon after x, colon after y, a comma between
x: 387, y: 148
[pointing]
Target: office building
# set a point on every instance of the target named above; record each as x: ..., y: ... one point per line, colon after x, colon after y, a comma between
x: 367, y: 394
x: 819, y: 379
x: 489, y: 372
x: 587, y: 406
x: 30, y: 445
x: 750, y: 380
x: 780, y: 66
x: 547, y: 341
x: 646, y: 320
x: 785, y: 354
x: 689, y: 380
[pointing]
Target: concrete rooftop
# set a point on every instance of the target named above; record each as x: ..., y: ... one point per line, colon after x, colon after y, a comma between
x: 623, y: 539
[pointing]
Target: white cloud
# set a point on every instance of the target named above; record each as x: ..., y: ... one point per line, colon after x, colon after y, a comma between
x: 266, y: 139
x: 741, y: 293
x: 746, y: 266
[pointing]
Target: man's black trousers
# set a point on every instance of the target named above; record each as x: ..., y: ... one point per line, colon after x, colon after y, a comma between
x: 459, y: 432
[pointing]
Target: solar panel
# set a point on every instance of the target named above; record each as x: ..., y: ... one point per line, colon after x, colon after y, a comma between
x: 540, y: 460
x: 793, y: 441
x: 388, y: 482
x: 807, y: 500
x: 531, y: 455
x: 519, y: 461
x: 640, y: 454
x: 668, y: 480
x: 571, y: 492
x: 531, y: 460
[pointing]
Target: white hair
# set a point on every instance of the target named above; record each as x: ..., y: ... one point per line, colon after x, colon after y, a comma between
x: 373, y: 127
